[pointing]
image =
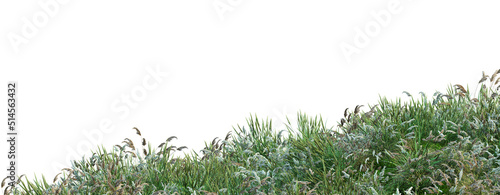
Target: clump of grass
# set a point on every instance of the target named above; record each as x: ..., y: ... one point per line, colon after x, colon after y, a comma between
x: 446, y: 145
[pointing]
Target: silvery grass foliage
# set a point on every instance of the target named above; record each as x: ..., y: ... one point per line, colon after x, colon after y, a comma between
x: 445, y: 144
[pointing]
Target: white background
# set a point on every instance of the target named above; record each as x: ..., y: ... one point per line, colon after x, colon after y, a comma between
x: 270, y: 58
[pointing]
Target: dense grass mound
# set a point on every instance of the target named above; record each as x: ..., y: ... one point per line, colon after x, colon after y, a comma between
x: 447, y: 145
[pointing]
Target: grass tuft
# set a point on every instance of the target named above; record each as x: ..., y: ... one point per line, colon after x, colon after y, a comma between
x: 447, y: 145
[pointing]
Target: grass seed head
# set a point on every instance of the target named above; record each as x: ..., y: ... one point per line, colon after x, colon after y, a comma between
x: 213, y: 141
x: 19, y: 179
x: 55, y: 178
x: 171, y: 148
x: 356, y: 110
x: 493, y: 76
x: 137, y: 131
x: 181, y: 148
x: 484, y: 78
x: 170, y: 138
x: 227, y: 136
x: 461, y: 88
x: 3, y: 181
x: 121, y: 148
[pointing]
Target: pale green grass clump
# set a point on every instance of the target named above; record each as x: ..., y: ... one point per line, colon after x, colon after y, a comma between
x: 447, y: 145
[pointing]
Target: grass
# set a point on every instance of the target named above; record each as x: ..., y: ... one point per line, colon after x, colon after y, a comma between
x: 448, y: 144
